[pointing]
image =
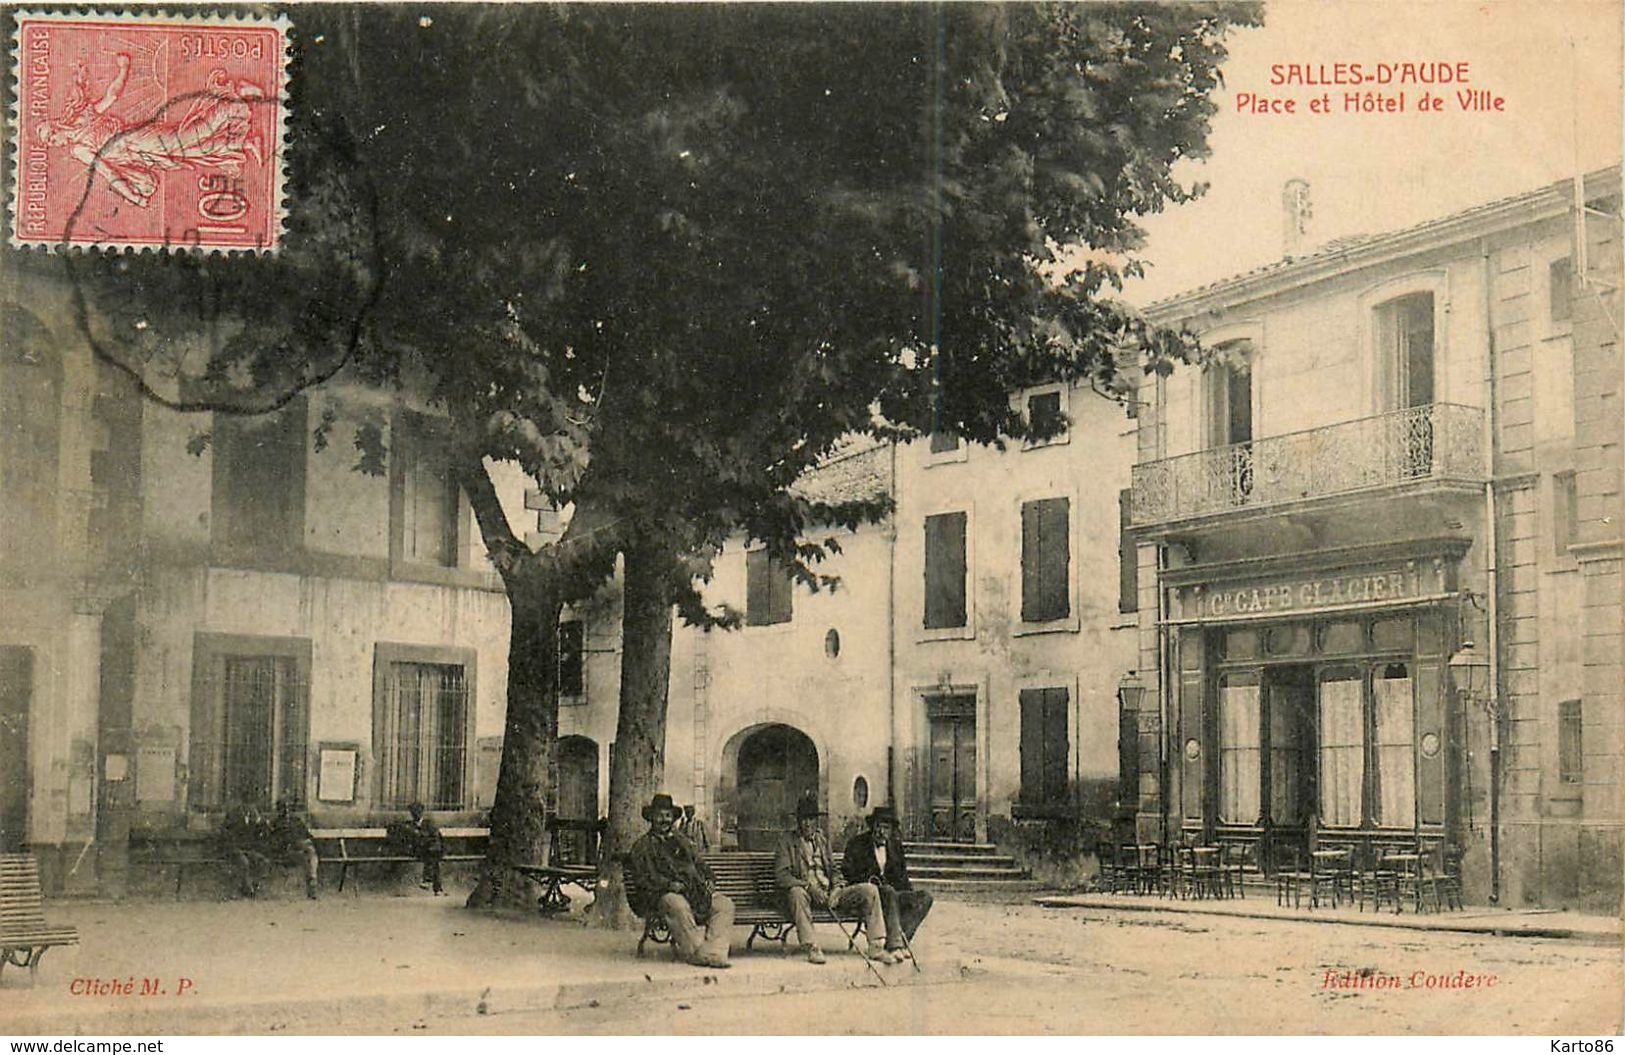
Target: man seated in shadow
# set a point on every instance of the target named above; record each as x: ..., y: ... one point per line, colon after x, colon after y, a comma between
x: 243, y: 837
x: 291, y: 843
x: 876, y: 856
x: 427, y: 846
x: 672, y: 879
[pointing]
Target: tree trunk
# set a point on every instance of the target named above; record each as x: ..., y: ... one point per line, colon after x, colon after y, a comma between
x: 530, y: 733
x: 638, y: 768
x: 535, y: 596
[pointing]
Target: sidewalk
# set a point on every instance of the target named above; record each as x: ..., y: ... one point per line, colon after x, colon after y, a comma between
x: 1526, y: 923
x: 376, y: 963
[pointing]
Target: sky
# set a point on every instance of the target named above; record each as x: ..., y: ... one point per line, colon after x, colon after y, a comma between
x: 1556, y: 63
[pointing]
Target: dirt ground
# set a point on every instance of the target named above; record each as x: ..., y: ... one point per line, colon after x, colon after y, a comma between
x: 1081, y: 971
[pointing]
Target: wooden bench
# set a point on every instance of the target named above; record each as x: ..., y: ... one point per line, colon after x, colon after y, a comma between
x: 748, y: 880
x: 180, y: 852
x: 24, y: 935
x: 572, y: 859
x: 353, y: 847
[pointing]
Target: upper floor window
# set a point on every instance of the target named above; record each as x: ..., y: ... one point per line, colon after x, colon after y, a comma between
x: 1229, y: 395
x: 1405, y: 345
x: 1565, y: 512
x: 768, y: 586
x: 428, y: 495
x: 30, y: 382
x: 1046, y: 412
x: 1570, y: 757
x: 944, y: 442
x: 259, y: 480
x: 1046, y: 560
x: 1560, y: 285
x: 945, y: 571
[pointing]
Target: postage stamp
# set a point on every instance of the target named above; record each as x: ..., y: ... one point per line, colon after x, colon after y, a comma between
x: 139, y: 130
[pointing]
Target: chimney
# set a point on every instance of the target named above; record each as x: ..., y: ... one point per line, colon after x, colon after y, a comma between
x: 1296, y: 213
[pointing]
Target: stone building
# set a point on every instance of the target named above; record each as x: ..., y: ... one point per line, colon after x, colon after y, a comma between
x: 255, y: 621
x: 1407, y: 444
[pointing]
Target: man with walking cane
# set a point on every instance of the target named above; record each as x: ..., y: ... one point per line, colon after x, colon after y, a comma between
x: 806, y: 877
x: 876, y: 856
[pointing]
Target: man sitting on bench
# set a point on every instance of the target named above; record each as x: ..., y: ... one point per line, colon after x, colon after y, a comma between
x: 427, y: 846
x: 291, y: 842
x: 806, y: 875
x: 877, y: 856
x: 242, y: 837
x: 674, y: 881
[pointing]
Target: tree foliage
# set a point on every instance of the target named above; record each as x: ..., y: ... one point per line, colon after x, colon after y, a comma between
x: 665, y: 257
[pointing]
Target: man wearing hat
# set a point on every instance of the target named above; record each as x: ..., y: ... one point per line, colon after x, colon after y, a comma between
x: 673, y: 879
x: 806, y: 874
x: 876, y: 856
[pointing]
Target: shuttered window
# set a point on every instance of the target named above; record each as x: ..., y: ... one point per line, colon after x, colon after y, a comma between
x: 1570, y: 753
x: 767, y: 590
x: 1045, y: 560
x: 258, y: 504
x: 944, y: 571
x: 1044, y: 748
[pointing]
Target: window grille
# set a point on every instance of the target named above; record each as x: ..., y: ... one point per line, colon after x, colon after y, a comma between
x: 423, y: 747
x: 1570, y: 757
x: 260, y: 729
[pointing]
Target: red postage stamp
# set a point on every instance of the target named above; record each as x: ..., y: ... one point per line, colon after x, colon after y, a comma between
x: 136, y: 130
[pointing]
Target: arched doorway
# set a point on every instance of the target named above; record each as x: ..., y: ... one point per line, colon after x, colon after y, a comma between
x: 778, y: 764
x: 578, y: 778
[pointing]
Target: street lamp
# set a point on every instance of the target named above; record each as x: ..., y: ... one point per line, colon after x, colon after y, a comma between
x: 1470, y: 670
x: 1131, y: 692
x: 1130, y: 695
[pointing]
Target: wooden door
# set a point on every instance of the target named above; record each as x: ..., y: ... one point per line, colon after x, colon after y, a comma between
x: 953, y: 768
x: 16, y: 687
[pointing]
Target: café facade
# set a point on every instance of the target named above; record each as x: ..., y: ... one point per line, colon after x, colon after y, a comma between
x: 1379, y: 554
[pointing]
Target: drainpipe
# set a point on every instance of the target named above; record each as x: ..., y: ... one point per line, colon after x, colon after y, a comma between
x: 1164, y: 692
x: 1491, y: 579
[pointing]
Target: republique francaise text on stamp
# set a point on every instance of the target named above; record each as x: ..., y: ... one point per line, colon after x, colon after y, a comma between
x: 136, y: 130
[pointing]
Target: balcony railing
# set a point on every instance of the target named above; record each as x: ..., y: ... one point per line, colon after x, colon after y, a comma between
x: 1440, y: 441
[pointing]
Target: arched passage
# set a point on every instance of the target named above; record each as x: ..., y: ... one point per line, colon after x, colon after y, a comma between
x: 775, y: 766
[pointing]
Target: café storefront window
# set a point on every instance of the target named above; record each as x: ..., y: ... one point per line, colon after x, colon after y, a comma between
x: 1321, y: 722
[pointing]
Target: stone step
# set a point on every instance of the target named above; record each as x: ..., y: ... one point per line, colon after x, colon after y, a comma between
x: 945, y: 861
x: 927, y: 847
x: 995, y: 873
x: 949, y: 887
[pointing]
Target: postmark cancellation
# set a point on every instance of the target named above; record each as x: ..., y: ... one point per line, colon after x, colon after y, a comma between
x: 148, y: 130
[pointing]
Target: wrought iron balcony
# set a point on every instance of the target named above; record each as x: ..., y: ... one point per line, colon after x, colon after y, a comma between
x: 1438, y: 442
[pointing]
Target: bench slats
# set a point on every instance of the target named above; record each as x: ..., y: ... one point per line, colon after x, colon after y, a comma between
x: 24, y: 935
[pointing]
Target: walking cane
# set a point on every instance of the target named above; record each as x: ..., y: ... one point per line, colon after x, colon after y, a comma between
x: 852, y: 940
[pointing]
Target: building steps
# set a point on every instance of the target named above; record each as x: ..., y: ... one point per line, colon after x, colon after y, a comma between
x: 948, y: 867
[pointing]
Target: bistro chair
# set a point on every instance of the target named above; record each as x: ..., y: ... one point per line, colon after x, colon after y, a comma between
x: 1128, y: 869
x: 1112, y: 876
x: 1235, y: 861
x: 1152, y: 868
x: 1446, y: 881
x: 1290, y: 877
x: 1331, y: 871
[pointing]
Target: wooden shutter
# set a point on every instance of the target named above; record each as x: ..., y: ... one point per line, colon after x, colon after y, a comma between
x: 1044, y: 747
x: 780, y: 584
x: 944, y: 571
x: 1055, y: 746
x: 1045, y: 560
x: 1128, y: 566
x: 1032, y: 746
x: 756, y: 588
